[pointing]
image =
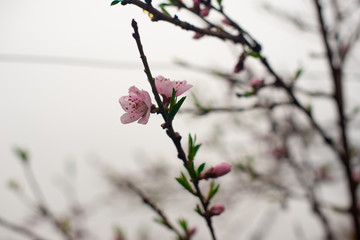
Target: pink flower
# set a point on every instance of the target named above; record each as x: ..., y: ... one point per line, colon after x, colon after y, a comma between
x: 136, y: 105
x: 165, y: 87
x: 221, y: 169
x: 217, y: 209
x: 256, y: 83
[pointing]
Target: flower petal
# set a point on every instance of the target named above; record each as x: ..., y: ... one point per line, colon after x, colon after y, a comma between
x: 145, y: 118
x: 129, y: 118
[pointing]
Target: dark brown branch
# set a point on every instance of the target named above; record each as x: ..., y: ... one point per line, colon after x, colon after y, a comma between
x: 157, y: 15
x: 344, y: 155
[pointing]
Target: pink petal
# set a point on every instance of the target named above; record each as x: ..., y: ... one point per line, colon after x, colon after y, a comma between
x: 129, y: 118
x: 147, y: 99
x: 183, y: 88
x: 145, y: 118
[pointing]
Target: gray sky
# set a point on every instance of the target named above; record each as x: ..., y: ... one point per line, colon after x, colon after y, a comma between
x: 64, y: 64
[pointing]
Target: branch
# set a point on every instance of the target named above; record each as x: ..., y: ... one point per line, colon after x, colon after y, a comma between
x: 154, y: 207
x: 20, y: 230
x: 344, y: 155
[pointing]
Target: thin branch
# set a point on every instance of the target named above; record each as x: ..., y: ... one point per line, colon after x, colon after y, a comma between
x: 154, y: 207
x: 344, y: 154
x: 42, y: 206
x: 20, y: 230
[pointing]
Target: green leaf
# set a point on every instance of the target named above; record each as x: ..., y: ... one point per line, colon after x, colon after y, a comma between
x: 115, y: 2
x: 200, y: 168
x: 13, y: 185
x: 196, y: 148
x: 255, y: 55
x: 219, y: 2
x: 248, y: 94
x: 183, y: 224
x: 298, y: 73
x: 176, y: 108
x: 162, y: 7
x: 160, y: 221
x: 213, y: 190
x: 173, y: 99
x: 184, y: 182
x: 198, y: 210
x: 203, y: 109
x: 22, y: 154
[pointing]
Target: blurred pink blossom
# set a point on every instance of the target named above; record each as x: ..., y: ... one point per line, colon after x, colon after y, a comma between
x: 217, y: 209
x: 165, y: 87
x: 137, y: 105
x: 256, y: 83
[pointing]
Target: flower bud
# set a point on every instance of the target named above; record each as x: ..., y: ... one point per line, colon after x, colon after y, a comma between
x: 226, y: 21
x: 256, y: 83
x: 217, y: 209
x: 198, y: 35
x: 205, y: 12
x: 191, y: 231
x: 221, y: 169
x: 217, y: 171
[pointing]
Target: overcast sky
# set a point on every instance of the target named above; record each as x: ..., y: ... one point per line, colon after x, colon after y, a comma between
x: 64, y: 64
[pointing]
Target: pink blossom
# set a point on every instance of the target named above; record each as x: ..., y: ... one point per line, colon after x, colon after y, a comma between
x: 165, y: 87
x: 221, y: 169
x: 217, y: 209
x: 256, y: 83
x: 137, y: 105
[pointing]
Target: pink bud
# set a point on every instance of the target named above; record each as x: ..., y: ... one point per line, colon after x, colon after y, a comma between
x: 226, y: 21
x: 198, y: 35
x: 356, y: 177
x: 217, y: 209
x: 204, y: 12
x: 256, y: 83
x: 191, y: 231
x: 221, y: 169
x: 196, y: 3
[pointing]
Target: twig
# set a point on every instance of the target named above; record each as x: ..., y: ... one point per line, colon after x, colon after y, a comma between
x: 42, y: 206
x: 154, y: 207
x: 20, y: 230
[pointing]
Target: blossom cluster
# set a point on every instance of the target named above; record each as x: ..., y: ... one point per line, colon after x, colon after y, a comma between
x: 137, y: 105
